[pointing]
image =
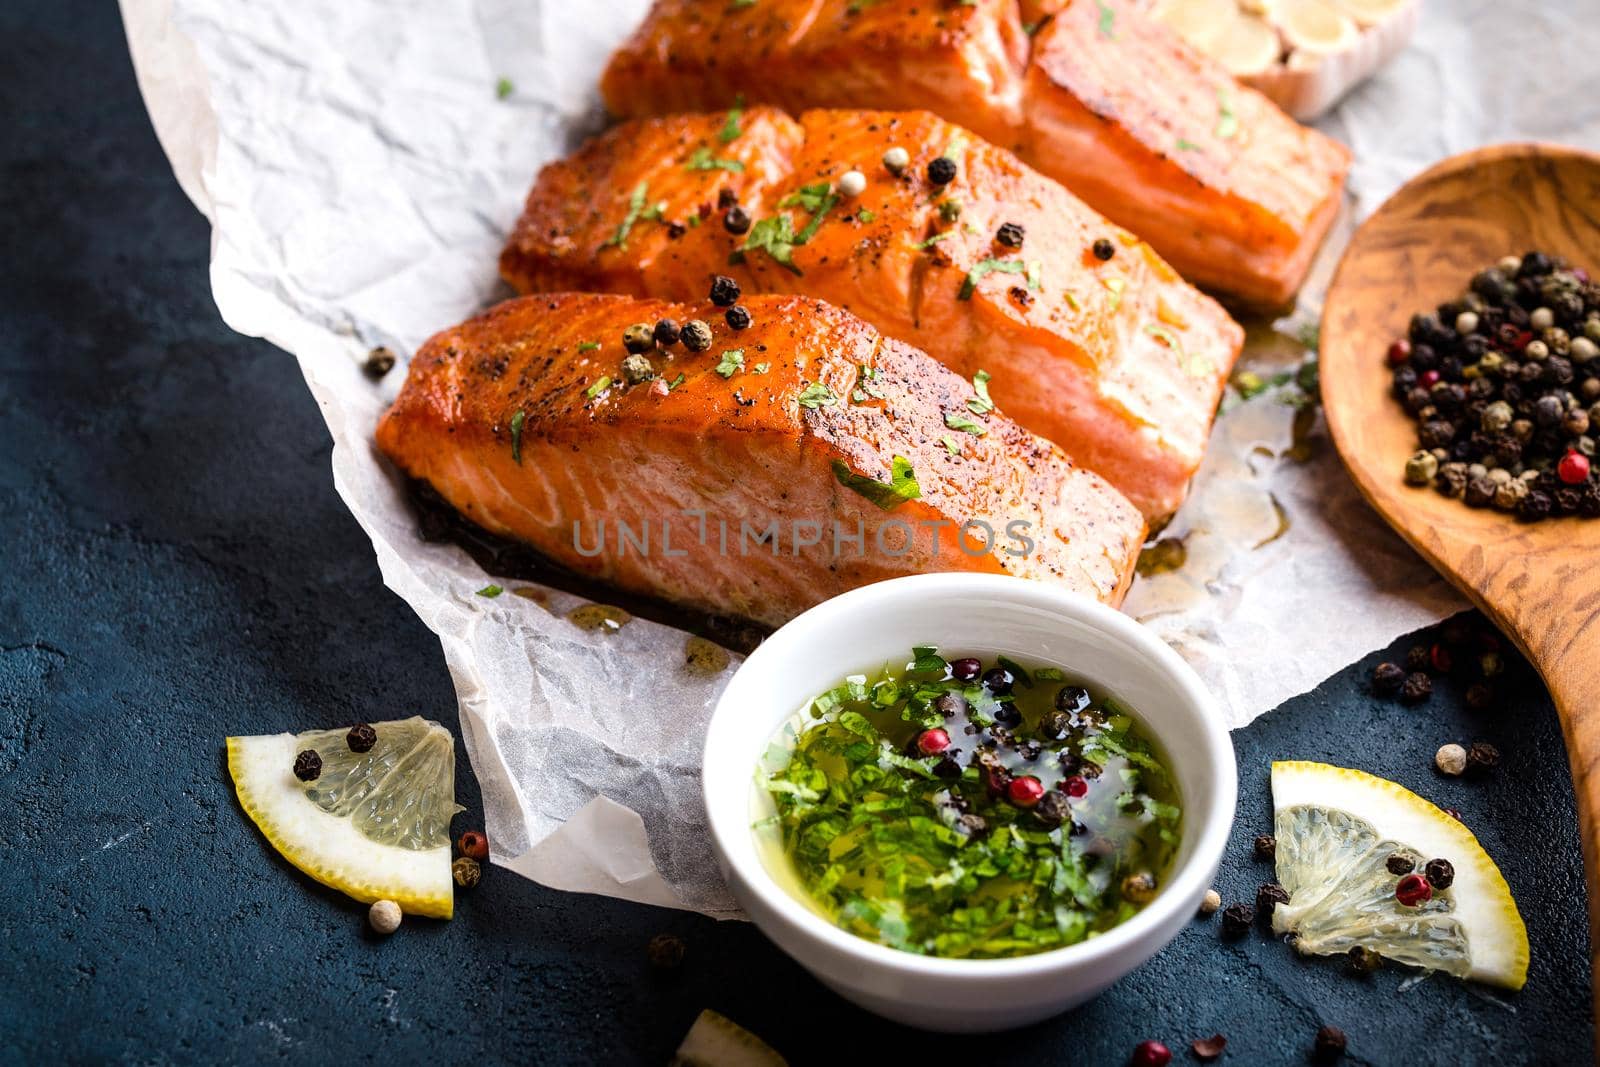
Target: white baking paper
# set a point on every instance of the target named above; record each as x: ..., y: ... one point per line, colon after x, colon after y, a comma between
x: 361, y: 162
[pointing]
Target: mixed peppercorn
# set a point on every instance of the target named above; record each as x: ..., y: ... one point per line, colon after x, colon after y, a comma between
x: 1504, y: 384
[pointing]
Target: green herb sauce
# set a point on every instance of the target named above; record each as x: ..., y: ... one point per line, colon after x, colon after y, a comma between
x: 934, y: 854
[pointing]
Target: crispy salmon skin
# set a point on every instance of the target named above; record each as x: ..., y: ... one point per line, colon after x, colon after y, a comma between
x: 1094, y: 93
x: 1083, y: 333
x: 791, y: 461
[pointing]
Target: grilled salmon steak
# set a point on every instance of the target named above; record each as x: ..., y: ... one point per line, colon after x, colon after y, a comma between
x: 1102, y: 97
x: 783, y: 464
x: 1085, y: 335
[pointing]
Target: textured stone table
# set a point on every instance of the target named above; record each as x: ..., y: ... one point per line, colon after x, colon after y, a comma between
x: 175, y: 566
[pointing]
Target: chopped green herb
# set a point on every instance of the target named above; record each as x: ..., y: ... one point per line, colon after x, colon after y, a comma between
x: 866, y: 215
x: 1108, y: 20
x: 914, y: 849
x: 1072, y: 299
x: 960, y: 422
x: 1116, y: 286
x: 1196, y: 366
x: 1227, y: 120
x: 731, y: 363
x: 1035, y: 269
x: 655, y: 212
x: 675, y: 382
x: 636, y: 204
x: 588, y: 346
x: 866, y: 385
x: 1031, y: 28
x: 1187, y: 146
x: 598, y: 387
x: 1019, y: 672
x: 761, y: 368
x: 503, y: 88
x: 775, y: 236
x: 950, y: 445
x: 490, y: 591
x: 902, y: 484
x: 985, y: 267
x: 516, y: 436
x: 956, y: 148
x: 1049, y: 674
x: 810, y: 198
x: 949, y: 209
x: 816, y: 220
x: 731, y: 129
x: 737, y: 5
x: 935, y: 239
x: 702, y: 159
x: 981, y: 404
x: 816, y: 395
x: 694, y: 220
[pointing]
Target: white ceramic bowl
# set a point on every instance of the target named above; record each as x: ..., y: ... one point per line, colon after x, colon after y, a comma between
x: 1029, y: 621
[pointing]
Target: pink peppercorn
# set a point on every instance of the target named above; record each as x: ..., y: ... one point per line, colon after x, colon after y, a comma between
x: 1573, y: 468
x: 1025, y: 791
x: 1413, y: 890
x: 932, y: 742
x: 1151, y: 1054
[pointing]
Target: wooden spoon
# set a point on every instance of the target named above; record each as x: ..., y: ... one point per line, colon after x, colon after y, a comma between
x: 1539, y: 582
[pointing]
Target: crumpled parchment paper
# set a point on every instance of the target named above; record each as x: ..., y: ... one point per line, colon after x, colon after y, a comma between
x: 361, y: 162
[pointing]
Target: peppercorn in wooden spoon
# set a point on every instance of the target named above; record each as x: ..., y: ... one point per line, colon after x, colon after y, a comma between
x: 1537, y: 581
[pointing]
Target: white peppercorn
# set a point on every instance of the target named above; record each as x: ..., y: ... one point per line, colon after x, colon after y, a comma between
x: 1451, y: 759
x: 896, y: 160
x: 852, y: 183
x: 384, y: 916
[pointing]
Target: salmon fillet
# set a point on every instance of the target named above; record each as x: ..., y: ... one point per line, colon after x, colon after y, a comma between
x: 793, y: 460
x: 1116, y: 360
x: 1102, y: 97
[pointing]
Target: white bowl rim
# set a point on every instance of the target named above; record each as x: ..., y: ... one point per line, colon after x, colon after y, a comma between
x: 1180, y: 893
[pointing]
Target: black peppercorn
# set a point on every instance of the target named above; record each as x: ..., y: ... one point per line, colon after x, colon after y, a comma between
x: 1441, y: 874
x: 726, y: 198
x: 1416, y: 688
x: 724, y: 291
x: 1009, y: 235
x: 1268, y: 897
x: 696, y: 336
x: 380, y: 361
x: 1364, y: 961
x: 667, y: 332
x: 361, y: 737
x: 1330, y: 1044
x: 1535, y: 506
x: 1104, y: 249
x: 1535, y: 265
x: 308, y: 765
x: 736, y: 220
x: 1418, y: 658
x: 1387, y: 678
x: 1483, y: 756
x: 738, y: 317
x: 1053, y: 808
x: 1479, y: 697
x: 942, y: 171
x: 973, y: 825
x: 1398, y: 863
x: 665, y: 952
x: 950, y: 704
x: 1266, y: 847
x: 1236, y: 920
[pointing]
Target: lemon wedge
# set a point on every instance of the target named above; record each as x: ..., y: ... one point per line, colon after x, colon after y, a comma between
x: 1336, y: 830
x: 1247, y: 45
x: 1314, y: 26
x: 374, y: 825
x: 1370, y: 12
x: 717, y: 1041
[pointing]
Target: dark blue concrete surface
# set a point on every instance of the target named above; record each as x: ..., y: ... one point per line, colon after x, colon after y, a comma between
x: 175, y: 567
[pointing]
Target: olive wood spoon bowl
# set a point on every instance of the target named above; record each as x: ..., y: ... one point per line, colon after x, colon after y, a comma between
x: 1539, y: 582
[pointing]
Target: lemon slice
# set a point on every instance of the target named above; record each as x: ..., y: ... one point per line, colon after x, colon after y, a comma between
x: 1337, y: 828
x: 1314, y: 26
x: 717, y: 1041
x: 375, y: 825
